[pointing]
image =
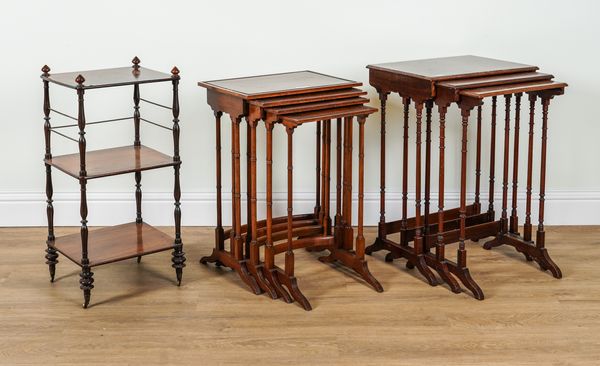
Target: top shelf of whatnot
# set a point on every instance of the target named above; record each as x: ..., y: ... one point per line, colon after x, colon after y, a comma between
x: 105, y: 78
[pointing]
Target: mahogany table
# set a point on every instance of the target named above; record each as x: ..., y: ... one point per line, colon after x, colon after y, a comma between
x: 290, y: 100
x: 466, y: 81
x: 119, y: 242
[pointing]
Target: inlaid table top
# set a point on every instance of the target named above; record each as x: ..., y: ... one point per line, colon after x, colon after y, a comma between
x: 448, y: 68
x: 289, y: 83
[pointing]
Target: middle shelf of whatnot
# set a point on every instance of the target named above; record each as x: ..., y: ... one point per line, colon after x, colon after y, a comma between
x: 113, y: 161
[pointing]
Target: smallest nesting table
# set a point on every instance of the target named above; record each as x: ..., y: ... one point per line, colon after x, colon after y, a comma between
x: 290, y: 100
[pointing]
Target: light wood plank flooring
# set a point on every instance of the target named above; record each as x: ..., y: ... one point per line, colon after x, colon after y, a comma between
x: 139, y: 317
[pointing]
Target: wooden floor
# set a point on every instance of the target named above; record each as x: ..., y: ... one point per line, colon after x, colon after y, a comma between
x: 139, y: 317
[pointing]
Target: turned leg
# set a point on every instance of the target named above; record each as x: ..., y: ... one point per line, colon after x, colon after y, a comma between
x: 428, y: 108
x: 492, y: 160
x: 514, y: 219
x: 478, y: 163
x: 381, y: 234
x: 51, y: 253
x: 527, y: 224
x: 440, y: 248
x: 86, y: 276
x: 318, y: 176
x: 290, y: 280
x: 219, y: 232
x: 86, y: 280
x: 418, y: 239
x: 338, y: 178
x: 254, y: 264
x: 269, y: 268
x: 403, y: 239
x: 178, y: 256
x: 138, y: 202
x: 497, y: 241
x: 327, y: 179
x: 462, y: 252
x: 545, y: 262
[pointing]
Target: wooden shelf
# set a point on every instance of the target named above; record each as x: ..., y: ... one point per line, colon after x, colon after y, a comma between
x: 105, y: 78
x: 115, y: 243
x: 114, y: 161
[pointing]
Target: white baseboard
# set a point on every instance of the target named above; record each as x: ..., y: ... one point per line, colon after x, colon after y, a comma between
x: 199, y: 208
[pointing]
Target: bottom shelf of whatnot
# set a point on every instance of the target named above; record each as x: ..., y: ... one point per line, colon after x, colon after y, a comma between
x: 114, y: 243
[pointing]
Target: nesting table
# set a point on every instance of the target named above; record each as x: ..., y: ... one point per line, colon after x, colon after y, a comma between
x: 466, y: 81
x: 290, y: 100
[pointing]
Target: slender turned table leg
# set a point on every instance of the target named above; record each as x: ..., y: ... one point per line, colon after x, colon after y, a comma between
x: 254, y: 265
x: 344, y: 249
x: 462, y: 253
x: 545, y: 262
x: 288, y: 276
x: 514, y: 219
x: 318, y: 175
x: 270, y: 269
x: 491, y: 212
x: 51, y: 253
x: 136, y: 142
x: 478, y: 163
x: 381, y: 234
x: 249, y: 232
x: 327, y: 179
x: 338, y: 178
x: 497, y: 241
x: 86, y: 280
x: 527, y: 225
x: 347, y: 236
x: 178, y: 256
x: 428, y: 108
x: 219, y: 231
x: 403, y: 238
x: 418, y: 240
x: 440, y: 254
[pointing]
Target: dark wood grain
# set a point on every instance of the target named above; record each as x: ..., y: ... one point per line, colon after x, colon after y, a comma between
x: 290, y: 83
x: 115, y: 243
x: 448, y: 68
x: 113, y: 161
x: 108, y: 77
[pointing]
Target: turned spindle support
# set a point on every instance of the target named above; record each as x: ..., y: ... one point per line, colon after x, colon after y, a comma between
x: 428, y: 109
x: 403, y: 239
x: 86, y: 276
x: 178, y: 256
x: 504, y: 217
x: 51, y: 253
x: 514, y: 219
x: 527, y: 227
x: 491, y: 212
x: 477, y: 200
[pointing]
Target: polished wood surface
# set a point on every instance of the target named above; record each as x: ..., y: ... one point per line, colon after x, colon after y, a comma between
x: 308, y: 98
x: 113, y: 161
x: 328, y: 114
x: 448, y: 68
x: 512, y: 89
x: 115, y: 243
x: 108, y: 77
x: 139, y: 317
x: 289, y: 83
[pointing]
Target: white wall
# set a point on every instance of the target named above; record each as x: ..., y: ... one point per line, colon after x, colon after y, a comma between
x: 222, y: 39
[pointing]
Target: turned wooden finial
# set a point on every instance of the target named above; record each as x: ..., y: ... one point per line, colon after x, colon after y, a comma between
x: 46, y: 70
x: 136, y: 62
x: 175, y: 71
x: 80, y: 79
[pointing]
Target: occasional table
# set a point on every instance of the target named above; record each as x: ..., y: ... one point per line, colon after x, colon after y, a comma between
x: 116, y: 243
x: 290, y: 100
x: 466, y: 81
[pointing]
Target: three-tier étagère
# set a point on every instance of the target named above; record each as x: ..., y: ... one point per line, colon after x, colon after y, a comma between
x: 130, y: 240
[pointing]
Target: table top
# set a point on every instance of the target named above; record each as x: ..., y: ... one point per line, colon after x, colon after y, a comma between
x: 449, y: 68
x: 289, y: 83
x: 104, y: 78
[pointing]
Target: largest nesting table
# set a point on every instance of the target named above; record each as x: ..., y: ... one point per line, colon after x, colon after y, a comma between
x: 290, y: 100
x: 466, y: 81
